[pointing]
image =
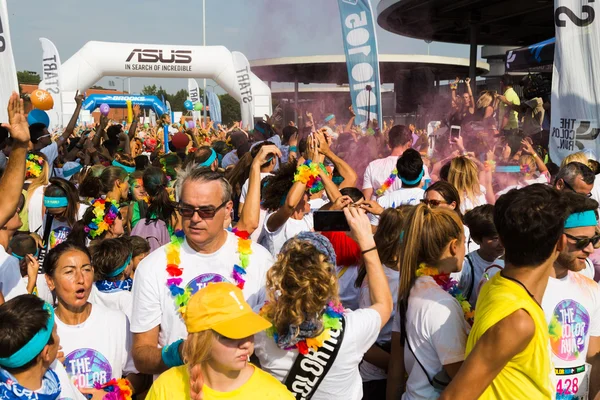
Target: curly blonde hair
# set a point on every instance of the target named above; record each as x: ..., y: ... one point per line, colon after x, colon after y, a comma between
x: 300, y: 283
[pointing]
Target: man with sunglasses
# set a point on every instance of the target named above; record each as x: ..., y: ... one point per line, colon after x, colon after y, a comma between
x: 575, y: 177
x: 207, y: 255
x: 571, y: 304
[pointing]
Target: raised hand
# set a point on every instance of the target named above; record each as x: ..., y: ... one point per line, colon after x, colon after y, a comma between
x: 17, y: 126
x: 266, y: 152
x: 79, y: 98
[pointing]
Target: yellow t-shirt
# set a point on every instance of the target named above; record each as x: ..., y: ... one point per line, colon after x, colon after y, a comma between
x: 513, y: 116
x: 529, y: 375
x: 175, y: 384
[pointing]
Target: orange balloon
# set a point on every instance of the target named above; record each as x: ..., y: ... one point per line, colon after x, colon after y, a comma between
x: 41, y: 99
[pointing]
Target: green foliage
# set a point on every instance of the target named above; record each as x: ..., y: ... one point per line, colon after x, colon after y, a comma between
x: 28, y: 77
x: 230, y: 109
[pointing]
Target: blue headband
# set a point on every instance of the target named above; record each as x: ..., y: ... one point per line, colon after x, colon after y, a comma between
x: 581, y: 219
x: 55, y: 202
x: 210, y: 160
x: 34, y: 347
x: 120, y: 270
x: 18, y: 257
x: 129, y: 170
x: 509, y: 168
x: 329, y: 117
x: 259, y: 128
x: 415, y: 181
x: 72, y: 171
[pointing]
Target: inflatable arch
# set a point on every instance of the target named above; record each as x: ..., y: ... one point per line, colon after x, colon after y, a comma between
x: 93, y: 101
x: 98, y: 59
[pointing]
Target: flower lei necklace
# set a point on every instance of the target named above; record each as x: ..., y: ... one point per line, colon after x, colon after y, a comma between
x: 330, y: 320
x: 104, y: 217
x: 388, y: 182
x: 173, y: 249
x: 449, y: 285
x: 33, y: 166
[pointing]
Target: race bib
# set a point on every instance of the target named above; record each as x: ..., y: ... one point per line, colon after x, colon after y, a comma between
x: 572, y: 383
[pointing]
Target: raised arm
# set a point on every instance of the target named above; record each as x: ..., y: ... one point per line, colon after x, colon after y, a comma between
x: 134, y: 122
x: 250, y: 215
x: 342, y: 166
x: 348, y: 127
x: 471, y: 105
x: 72, y: 122
x: 528, y: 148
x: 11, y: 182
x: 100, y: 130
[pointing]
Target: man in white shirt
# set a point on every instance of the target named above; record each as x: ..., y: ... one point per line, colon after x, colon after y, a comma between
x: 206, y: 254
x: 572, y: 306
x: 400, y: 139
x: 410, y: 173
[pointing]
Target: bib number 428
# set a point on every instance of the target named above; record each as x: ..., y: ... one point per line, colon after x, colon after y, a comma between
x: 567, y: 386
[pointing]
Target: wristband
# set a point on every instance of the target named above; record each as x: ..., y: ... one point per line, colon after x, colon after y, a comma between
x: 366, y: 251
x: 293, y: 149
x: 170, y: 354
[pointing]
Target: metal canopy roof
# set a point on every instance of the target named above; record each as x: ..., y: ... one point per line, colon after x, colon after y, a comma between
x: 332, y: 69
x: 500, y: 22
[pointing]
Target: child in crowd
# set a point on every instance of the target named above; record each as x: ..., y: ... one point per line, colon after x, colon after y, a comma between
x: 140, y: 248
x: 25, y: 249
x: 112, y: 261
x: 484, y: 260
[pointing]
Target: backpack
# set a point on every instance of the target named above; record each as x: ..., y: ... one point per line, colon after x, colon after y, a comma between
x: 154, y: 231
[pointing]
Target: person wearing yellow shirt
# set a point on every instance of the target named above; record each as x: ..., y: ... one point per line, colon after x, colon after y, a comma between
x: 221, y: 327
x: 509, y: 118
x: 508, y: 349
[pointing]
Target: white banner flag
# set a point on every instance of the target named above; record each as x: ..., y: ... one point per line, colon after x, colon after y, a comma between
x: 242, y: 73
x: 8, y: 71
x: 194, y: 92
x: 51, y: 81
x: 575, y: 81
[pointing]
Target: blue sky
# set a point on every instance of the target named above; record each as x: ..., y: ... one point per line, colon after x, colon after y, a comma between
x: 257, y: 28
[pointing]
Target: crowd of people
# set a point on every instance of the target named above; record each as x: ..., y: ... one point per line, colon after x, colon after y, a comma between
x: 215, y: 265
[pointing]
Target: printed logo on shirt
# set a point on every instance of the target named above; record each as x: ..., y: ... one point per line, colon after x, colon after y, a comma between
x: 201, y: 281
x: 86, y: 367
x: 568, y: 329
x: 59, y: 235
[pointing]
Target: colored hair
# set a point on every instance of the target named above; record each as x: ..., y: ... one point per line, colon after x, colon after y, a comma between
x: 463, y: 175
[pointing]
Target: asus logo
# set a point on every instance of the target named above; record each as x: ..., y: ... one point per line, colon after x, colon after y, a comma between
x: 154, y: 56
x: 2, y: 40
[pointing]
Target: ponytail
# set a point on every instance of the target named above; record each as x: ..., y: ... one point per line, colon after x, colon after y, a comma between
x: 90, y: 187
x: 161, y: 206
x: 196, y: 352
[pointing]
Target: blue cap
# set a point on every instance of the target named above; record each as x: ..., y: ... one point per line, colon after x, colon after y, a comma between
x: 36, y: 116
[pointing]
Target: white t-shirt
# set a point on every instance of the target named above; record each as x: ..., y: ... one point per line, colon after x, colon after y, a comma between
x: 255, y: 236
x: 98, y: 349
x: 34, y: 209
x: 572, y: 308
x: 368, y: 371
x: 11, y: 283
x: 316, y: 204
x: 60, y: 229
x: 51, y: 153
x: 470, y: 244
x: 153, y: 304
x: 589, y: 271
x: 437, y: 332
x: 121, y: 300
x: 411, y: 197
x: 379, y: 170
x: 347, y: 291
x: 343, y: 379
x: 470, y: 276
x: 68, y: 391
x: 273, y: 241
x: 467, y: 204
x: 43, y: 291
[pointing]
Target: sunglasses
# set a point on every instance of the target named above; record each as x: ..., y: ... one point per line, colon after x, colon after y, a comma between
x: 573, y: 190
x: 204, y: 212
x: 433, y: 203
x: 582, y: 243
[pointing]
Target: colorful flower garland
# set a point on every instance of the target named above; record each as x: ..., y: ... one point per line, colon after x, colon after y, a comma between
x: 104, y: 219
x: 388, y: 182
x: 450, y: 286
x: 174, y: 270
x: 331, y: 319
x: 33, y: 166
x: 308, y: 173
x: 116, y: 389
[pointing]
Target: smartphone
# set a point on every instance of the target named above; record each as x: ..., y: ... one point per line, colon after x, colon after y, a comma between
x: 327, y: 221
x: 454, y: 132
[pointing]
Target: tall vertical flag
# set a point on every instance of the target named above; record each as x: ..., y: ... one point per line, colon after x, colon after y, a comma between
x: 362, y: 59
x: 8, y: 71
x: 51, y: 81
x: 575, y: 81
x: 244, y: 85
x: 215, y: 107
x: 194, y: 92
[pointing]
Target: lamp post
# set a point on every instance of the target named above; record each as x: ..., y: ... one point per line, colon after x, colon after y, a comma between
x: 123, y: 86
x: 204, y: 45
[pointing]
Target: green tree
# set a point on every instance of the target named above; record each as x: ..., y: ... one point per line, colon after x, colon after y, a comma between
x: 177, y: 100
x: 230, y: 109
x: 28, y: 77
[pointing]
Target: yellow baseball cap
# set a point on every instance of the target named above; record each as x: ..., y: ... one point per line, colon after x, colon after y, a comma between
x: 222, y: 308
